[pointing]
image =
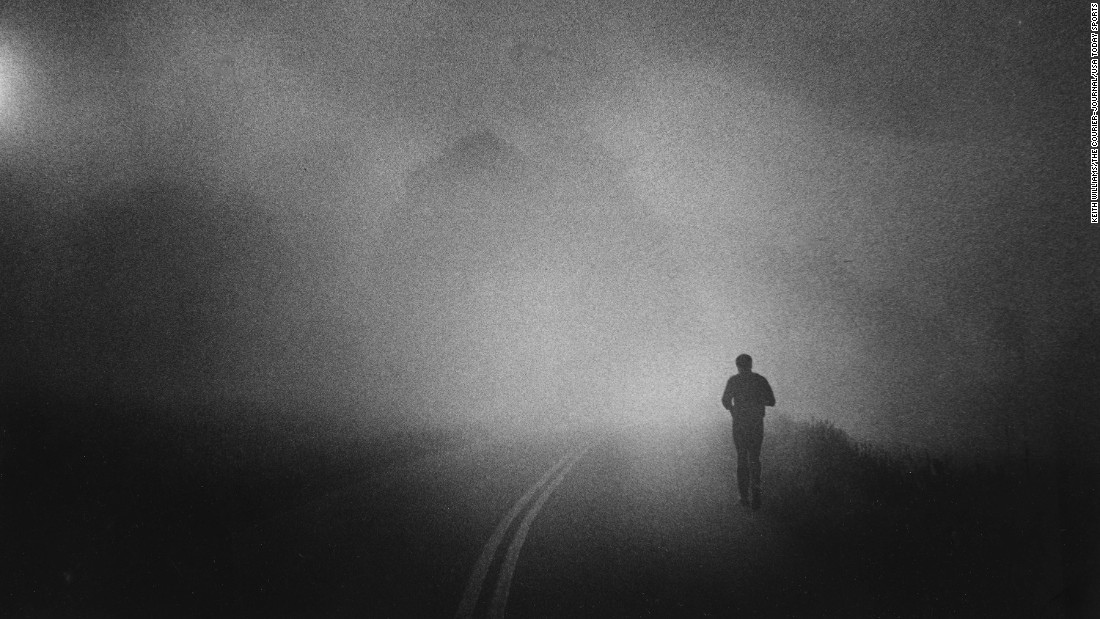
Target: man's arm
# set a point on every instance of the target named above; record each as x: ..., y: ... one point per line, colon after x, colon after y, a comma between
x: 727, y: 396
x: 769, y: 395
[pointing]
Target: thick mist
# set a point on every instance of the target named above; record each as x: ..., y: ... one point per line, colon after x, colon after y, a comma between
x: 500, y: 217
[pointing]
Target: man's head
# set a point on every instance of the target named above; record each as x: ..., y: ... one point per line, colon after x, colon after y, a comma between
x: 744, y: 363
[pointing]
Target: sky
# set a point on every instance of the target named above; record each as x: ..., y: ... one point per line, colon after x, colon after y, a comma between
x: 504, y: 215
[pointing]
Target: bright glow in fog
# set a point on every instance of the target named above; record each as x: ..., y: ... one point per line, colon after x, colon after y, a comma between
x: 5, y: 81
x: 10, y: 84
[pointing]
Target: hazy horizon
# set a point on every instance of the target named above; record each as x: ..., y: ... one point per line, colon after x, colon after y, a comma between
x: 439, y: 214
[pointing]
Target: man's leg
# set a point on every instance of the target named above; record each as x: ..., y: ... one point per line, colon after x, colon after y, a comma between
x: 743, y: 473
x: 754, y: 443
x: 754, y: 480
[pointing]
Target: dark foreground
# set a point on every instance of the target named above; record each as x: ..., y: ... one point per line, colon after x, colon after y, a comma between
x: 107, y: 513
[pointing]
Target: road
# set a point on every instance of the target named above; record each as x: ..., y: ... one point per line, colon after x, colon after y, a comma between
x: 642, y: 522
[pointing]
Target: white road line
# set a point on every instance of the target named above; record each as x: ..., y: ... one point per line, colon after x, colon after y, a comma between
x: 481, y: 569
x: 504, y: 579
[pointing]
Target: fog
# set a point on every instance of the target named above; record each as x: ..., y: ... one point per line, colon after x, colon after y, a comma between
x: 504, y: 217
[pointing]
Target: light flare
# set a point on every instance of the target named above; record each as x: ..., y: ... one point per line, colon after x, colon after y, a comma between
x: 10, y: 85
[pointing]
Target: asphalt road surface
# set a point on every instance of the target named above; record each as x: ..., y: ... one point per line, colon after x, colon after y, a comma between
x: 643, y: 522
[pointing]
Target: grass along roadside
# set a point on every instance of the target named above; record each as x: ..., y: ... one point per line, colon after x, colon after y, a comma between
x: 928, y: 536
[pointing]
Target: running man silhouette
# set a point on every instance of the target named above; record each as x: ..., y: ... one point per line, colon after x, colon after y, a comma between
x: 746, y: 395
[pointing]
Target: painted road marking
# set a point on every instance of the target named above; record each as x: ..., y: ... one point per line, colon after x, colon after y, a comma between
x: 504, y: 580
x: 547, y: 483
x: 481, y: 569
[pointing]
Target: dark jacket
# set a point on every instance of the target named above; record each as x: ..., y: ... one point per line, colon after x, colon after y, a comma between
x: 747, y: 394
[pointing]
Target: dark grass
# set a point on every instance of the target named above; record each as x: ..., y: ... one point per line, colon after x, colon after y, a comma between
x: 931, y: 536
x: 113, y: 510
